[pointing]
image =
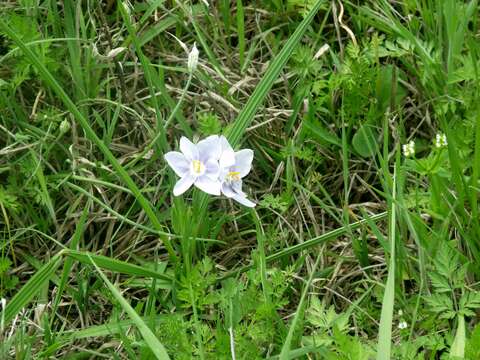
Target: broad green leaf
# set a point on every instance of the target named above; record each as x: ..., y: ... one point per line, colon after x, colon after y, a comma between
x: 383, y: 88
x: 365, y: 141
x: 318, y: 131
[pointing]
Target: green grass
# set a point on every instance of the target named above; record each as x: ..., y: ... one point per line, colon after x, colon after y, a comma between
x: 354, y: 250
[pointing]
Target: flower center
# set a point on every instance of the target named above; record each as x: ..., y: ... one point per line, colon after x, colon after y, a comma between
x: 233, y: 176
x: 198, y: 168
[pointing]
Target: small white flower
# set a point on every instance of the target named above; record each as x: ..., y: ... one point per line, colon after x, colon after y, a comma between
x: 233, y: 167
x: 193, y: 58
x: 402, y: 325
x: 409, y: 149
x: 196, y: 164
x: 440, y: 140
x: 400, y: 312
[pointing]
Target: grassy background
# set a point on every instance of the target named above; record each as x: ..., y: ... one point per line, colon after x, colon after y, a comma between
x: 354, y: 250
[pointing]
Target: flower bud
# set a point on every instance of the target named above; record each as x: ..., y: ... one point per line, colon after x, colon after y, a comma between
x: 64, y: 126
x: 193, y: 59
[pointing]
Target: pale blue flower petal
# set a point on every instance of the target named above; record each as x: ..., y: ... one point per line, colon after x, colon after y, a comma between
x: 227, y: 157
x: 183, y: 185
x: 178, y: 162
x: 212, y: 170
x: 188, y: 149
x: 227, y: 190
x: 243, y: 161
x: 209, y: 148
x: 243, y: 200
x: 223, y: 173
x: 237, y: 187
x: 208, y: 185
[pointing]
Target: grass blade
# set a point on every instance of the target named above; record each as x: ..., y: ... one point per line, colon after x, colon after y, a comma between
x: 155, y: 346
x: 241, y: 33
x: 153, y: 81
x: 30, y: 289
x: 122, y: 173
x: 69, y: 261
x: 115, y: 265
x: 310, y: 243
x: 248, y: 112
x: 105, y: 329
x: 385, y: 330
x: 285, y: 353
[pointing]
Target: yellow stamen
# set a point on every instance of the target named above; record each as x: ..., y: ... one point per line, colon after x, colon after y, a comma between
x: 197, y: 166
x: 234, y: 175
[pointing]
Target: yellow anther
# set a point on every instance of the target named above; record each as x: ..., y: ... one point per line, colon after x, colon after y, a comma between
x: 197, y: 166
x: 234, y: 175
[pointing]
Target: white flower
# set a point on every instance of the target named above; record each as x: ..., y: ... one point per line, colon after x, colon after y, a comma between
x: 233, y: 167
x: 197, y: 164
x: 402, y: 325
x: 213, y: 166
x: 409, y: 149
x: 440, y: 141
x: 193, y: 58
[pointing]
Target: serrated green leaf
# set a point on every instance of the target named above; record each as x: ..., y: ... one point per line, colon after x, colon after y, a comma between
x: 440, y: 283
x: 446, y: 260
x: 470, y: 300
x: 441, y: 304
